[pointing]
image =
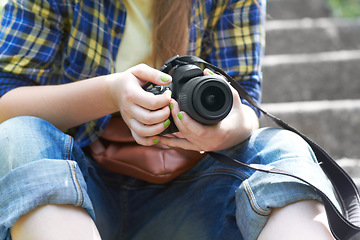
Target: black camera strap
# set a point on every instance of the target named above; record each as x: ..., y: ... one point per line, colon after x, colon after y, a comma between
x: 343, y: 225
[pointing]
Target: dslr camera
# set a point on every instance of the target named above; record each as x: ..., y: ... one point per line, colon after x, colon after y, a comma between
x: 206, y: 99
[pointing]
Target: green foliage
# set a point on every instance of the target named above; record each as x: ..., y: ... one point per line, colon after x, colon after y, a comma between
x: 345, y: 8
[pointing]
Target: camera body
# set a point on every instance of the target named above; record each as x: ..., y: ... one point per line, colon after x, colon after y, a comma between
x: 206, y: 99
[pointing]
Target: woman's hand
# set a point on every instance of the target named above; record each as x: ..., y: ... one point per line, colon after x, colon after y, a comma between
x: 234, y: 129
x: 145, y: 114
x: 72, y: 104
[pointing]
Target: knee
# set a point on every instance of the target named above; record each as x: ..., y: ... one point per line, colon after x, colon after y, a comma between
x: 23, y: 140
x: 16, y: 131
x: 275, y: 144
x: 16, y: 135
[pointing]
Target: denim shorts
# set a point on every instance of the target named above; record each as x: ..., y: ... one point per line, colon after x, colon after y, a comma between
x: 41, y: 165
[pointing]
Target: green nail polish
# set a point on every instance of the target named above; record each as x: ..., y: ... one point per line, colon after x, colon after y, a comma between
x: 156, y: 140
x: 210, y: 72
x: 171, y: 106
x: 180, y: 115
x: 167, y: 123
x: 165, y: 78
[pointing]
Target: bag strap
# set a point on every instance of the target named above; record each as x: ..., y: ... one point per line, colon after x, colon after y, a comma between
x: 342, y: 225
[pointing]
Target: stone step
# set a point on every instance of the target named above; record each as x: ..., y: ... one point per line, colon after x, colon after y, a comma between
x: 334, y: 125
x: 294, y: 9
x: 311, y: 35
x: 309, y: 77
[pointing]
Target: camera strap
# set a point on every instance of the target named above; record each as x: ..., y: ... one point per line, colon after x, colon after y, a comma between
x: 343, y: 225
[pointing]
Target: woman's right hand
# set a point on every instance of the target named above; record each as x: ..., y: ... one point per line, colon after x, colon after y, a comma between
x: 72, y: 104
x: 145, y: 114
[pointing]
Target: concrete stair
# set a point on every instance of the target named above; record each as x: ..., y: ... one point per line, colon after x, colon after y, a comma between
x: 294, y: 9
x: 311, y: 73
x: 308, y: 35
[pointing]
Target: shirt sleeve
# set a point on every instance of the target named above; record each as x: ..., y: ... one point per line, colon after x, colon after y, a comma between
x: 237, y: 34
x: 30, y: 34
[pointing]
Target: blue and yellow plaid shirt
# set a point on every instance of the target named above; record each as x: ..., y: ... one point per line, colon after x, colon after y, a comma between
x: 61, y: 41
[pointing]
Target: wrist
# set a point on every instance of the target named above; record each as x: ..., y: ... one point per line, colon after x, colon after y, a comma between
x: 251, y: 120
x: 110, y: 93
x: 249, y: 123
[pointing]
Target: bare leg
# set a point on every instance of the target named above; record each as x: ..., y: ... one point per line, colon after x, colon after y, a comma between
x: 55, y: 222
x: 300, y: 220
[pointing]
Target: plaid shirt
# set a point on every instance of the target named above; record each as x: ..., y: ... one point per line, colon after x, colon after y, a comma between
x: 61, y: 41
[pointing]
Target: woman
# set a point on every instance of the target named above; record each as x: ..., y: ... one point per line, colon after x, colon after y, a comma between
x: 51, y: 188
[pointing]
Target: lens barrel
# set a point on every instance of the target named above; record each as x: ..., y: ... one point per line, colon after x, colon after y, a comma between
x: 207, y: 99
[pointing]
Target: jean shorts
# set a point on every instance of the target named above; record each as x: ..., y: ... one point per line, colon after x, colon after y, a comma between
x: 41, y: 165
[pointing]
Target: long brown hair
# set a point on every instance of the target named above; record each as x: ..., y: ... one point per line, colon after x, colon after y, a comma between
x: 171, y: 29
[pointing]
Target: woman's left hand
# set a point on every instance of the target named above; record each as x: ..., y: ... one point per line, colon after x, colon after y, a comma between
x: 232, y: 130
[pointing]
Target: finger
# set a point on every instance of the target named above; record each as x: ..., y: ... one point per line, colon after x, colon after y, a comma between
x: 148, y: 100
x: 145, y: 141
x: 177, y: 134
x: 182, y: 143
x: 178, y: 117
x: 148, y: 117
x: 155, y: 102
x: 146, y: 73
x: 188, y: 126
x: 142, y: 130
x: 209, y: 72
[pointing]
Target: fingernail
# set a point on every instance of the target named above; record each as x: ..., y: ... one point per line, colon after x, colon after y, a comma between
x: 209, y: 71
x: 180, y: 115
x: 171, y: 106
x: 156, y: 140
x: 170, y: 92
x: 165, y: 78
x: 167, y: 123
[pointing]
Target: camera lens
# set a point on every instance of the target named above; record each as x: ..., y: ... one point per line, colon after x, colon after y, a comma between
x: 207, y: 99
x: 212, y: 98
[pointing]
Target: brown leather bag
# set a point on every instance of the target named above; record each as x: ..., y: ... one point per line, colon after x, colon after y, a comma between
x: 117, y: 151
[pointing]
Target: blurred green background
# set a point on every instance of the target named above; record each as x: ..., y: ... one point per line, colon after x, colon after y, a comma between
x: 345, y: 8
